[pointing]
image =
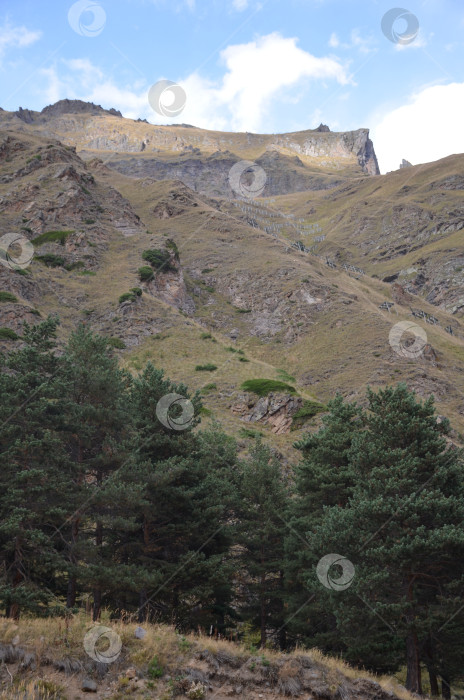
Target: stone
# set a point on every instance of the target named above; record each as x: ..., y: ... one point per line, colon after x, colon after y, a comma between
x: 88, y: 686
x: 139, y: 633
x: 130, y: 673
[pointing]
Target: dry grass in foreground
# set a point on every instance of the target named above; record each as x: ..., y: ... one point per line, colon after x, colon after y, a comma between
x: 44, y: 659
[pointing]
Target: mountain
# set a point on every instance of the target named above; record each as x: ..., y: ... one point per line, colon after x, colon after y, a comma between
x: 295, y: 279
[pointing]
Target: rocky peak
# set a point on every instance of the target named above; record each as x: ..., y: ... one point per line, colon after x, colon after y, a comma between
x: 77, y: 107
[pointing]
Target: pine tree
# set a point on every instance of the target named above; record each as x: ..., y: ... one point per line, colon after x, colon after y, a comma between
x: 183, y: 537
x: 402, y: 529
x: 260, y: 536
x: 323, y: 479
x: 35, y: 476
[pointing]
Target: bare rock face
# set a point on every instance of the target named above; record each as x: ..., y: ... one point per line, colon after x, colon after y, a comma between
x: 170, y: 288
x: 275, y: 410
x: 400, y: 295
x: 405, y: 164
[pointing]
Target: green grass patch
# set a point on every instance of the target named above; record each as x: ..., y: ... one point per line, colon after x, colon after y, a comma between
x: 285, y: 376
x: 206, y: 336
x: 243, y: 359
x: 52, y: 237
x: 249, y: 433
x: 8, y: 296
x: 127, y: 296
x: 158, y: 259
x: 78, y: 265
x: 146, y: 274
x: 263, y: 387
x: 116, y: 343
x: 242, y: 311
x: 89, y: 222
x: 211, y: 290
x: 309, y: 409
x: 155, y: 670
x: 206, y: 270
x: 208, y: 387
x: 209, y: 367
x: 8, y: 334
x: 51, y: 260
x: 89, y: 273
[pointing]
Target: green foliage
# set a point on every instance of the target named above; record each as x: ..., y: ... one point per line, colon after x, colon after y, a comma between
x: 78, y: 265
x: 209, y: 289
x: 146, y: 274
x: 243, y: 359
x: 263, y: 387
x: 8, y: 334
x: 137, y: 291
x: 208, y: 387
x: 309, y: 409
x: 231, y: 349
x: 242, y: 311
x: 285, y: 376
x: 155, y: 670
x: 209, y: 367
x: 171, y: 245
x: 52, y: 237
x: 8, y: 296
x: 51, y: 260
x: 89, y: 222
x: 206, y: 336
x: 159, y: 259
x: 206, y: 270
x: 116, y: 343
x: 88, y: 273
x: 249, y: 433
x: 127, y: 296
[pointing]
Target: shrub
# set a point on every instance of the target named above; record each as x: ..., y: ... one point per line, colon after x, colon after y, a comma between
x: 262, y: 387
x: 159, y: 259
x: 90, y: 273
x: 242, y: 311
x: 51, y: 260
x: 146, y: 273
x: 89, y: 222
x: 310, y: 409
x: 8, y: 296
x: 208, y: 387
x: 206, y: 368
x: 116, y: 343
x: 155, y: 670
x: 249, y: 433
x: 137, y: 291
x: 209, y: 289
x: 74, y: 266
x: 243, y: 359
x: 231, y: 349
x: 171, y: 245
x: 206, y: 336
x: 206, y: 270
x: 127, y: 296
x: 8, y: 334
x: 51, y: 237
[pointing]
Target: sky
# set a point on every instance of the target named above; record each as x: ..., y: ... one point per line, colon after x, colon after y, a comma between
x: 265, y: 66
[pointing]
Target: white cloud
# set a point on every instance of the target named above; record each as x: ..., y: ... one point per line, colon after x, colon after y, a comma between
x: 16, y: 37
x: 429, y: 127
x: 271, y: 68
x: 418, y: 43
x: 362, y: 44
x: 240, y: 5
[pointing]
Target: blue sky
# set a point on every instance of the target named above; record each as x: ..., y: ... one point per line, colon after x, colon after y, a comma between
x: 267, y: 66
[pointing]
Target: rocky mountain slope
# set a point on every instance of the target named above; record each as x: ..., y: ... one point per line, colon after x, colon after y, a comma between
x: 293, y: 286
